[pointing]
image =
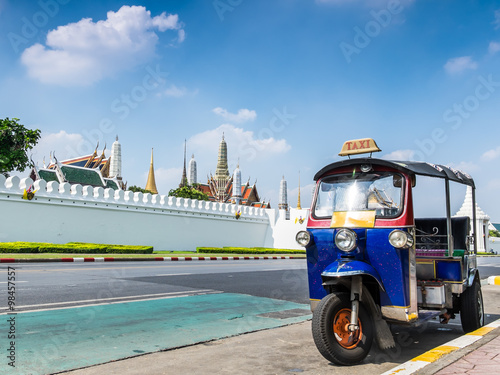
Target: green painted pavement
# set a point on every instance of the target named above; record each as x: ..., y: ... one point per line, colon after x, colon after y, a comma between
x: 58, y: 340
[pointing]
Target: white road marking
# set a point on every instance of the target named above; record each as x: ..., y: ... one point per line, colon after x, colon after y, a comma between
x: 173, y: 274
x: 140, y: 298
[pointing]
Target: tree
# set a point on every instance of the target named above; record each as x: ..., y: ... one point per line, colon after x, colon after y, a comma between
x: 494, y: 233
x: 15, y: 142
x: 137, y: 189
x: 188, y: 192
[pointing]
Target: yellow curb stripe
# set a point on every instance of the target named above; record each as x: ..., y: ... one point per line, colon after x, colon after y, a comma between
x: 436, y: 353
x: 481, y: 331
x: 494, y: 280
x: 413, y: 365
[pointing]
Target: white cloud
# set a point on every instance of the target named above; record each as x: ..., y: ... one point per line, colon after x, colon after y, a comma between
x: 178, y: 92
x: 182, y: 35
x: 496, y: 22
x: 493, y: 185
x: 494, y: 47
x: 465, y: 166
x: 175, y: 91
x: 65, y: 145
x: 400, y: 155
x: 491, y: 154
x: 459, y: 64
x: 244, y: 144
x: 85, y: 52
x: 243, y: 115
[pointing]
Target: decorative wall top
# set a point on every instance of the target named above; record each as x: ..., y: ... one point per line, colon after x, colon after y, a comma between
x: 13, y: 187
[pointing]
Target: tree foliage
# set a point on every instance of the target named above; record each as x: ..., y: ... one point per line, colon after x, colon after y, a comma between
x: 494, y: 233
x: 15, y: 142
x: 137, y: 189
x: 188, y: 192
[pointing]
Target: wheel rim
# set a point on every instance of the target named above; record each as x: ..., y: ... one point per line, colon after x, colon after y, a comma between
x: 345, y: 338
x: 480, y: 308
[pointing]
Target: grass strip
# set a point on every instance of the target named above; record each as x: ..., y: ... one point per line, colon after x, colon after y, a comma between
x: 247, y: 250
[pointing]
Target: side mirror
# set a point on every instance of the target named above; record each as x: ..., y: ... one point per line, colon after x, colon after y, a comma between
x: 397, y: 181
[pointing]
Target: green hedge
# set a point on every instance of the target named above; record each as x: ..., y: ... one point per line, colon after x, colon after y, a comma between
x: 20, y: 247
x: 115, y: 249
x: 72, y: 248
x: 130, y: 249
x: 66, y: 249
x: 247, y: 250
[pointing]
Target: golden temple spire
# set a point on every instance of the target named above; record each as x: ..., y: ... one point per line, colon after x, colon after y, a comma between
x: 184, y: 179
x: 298, y: 201
x: 151, y: 184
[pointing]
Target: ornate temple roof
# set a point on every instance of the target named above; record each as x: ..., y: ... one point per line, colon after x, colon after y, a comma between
x: 222, y: 171
x: 77, y: 175
x: 219, y: 188
x: 90, y: 170
x: 47, y: 175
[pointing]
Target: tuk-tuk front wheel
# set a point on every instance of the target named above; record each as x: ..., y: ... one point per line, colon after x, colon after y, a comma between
x: 471, y: 307
x: 330, y: 328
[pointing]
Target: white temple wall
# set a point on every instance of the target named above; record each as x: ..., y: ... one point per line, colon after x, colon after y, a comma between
x: 494, y: 245
x: 61, y: 213
x: 284, y: 231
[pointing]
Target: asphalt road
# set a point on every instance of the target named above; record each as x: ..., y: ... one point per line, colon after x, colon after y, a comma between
x: 204, y: 287
x: 52, y: 285
x: 488, y: 266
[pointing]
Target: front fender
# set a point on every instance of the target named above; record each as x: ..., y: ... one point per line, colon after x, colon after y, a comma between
x: 351, y: 268
x: 472, y: 275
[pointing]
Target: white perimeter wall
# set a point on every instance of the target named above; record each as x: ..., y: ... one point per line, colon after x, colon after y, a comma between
x: 494, y: 245
x: 284, y: 231
x: 61, y: 213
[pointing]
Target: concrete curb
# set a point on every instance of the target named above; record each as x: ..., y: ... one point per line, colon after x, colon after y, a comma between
x: 494, y: 280
x: 431, y: 356
x: 155, y: 259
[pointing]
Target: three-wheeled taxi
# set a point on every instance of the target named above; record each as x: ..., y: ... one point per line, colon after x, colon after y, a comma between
x: 371, y: 262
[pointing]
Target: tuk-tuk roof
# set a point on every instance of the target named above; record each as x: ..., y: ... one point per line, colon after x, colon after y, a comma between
x: 410, y: 167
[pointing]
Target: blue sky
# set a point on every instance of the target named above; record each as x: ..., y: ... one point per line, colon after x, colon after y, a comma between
x: 287, y: 81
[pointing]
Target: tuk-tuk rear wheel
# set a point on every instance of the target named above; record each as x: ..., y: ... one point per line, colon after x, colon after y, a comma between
x: 472, y: 308
x: 330, y: 323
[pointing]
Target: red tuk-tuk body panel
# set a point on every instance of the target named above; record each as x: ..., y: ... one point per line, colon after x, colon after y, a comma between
x: 406, y: 218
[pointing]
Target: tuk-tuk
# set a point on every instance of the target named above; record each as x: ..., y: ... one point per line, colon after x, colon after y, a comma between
x: 371, y: 263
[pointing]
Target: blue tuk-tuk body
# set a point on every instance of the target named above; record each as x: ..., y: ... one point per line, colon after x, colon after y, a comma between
x: 371, y: 262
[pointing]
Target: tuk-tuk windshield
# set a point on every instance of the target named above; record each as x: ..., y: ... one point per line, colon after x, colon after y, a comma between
x: 375, y: 191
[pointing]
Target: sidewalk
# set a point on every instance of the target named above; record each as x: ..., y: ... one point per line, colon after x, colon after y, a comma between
x: 477, y: 352
x: 289, y: 350
x: 483, y: 360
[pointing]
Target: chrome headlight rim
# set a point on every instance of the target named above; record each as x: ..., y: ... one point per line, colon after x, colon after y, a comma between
x: 400, y: 239
x: 350, y: 236
x: 303, y: 238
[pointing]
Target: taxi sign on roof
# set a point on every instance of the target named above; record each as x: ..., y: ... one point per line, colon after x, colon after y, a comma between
x: 359, y: 146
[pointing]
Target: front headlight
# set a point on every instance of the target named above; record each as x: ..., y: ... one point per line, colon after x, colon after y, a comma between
x: 400, y: 239
x: 303, y: 238
x: 345, y: 239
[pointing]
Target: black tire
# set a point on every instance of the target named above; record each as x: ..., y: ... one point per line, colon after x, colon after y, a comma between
x: 472, y: 308
x: 327, y: 317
